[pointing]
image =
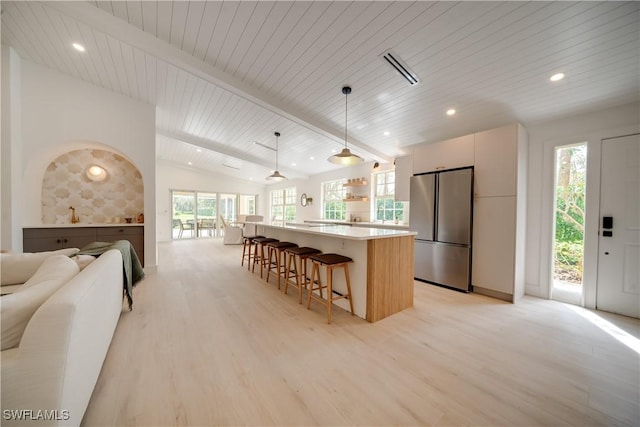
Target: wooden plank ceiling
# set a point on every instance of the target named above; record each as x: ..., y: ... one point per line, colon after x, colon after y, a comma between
x: 225, y: 74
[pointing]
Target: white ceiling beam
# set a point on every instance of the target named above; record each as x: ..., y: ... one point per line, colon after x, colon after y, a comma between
x: 229, y: 151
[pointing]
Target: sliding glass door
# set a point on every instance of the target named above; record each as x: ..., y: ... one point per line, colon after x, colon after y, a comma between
x: 228, y: 209
x: 206, y: 214
x: 184, y: 215
x: 198, y: 214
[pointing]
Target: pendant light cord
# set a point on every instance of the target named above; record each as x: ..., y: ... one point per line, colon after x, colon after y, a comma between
x: 277, y: 136
x: 346, y: 97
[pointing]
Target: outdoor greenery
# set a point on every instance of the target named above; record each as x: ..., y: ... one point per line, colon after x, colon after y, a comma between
x: 570, y: 194
x: 387, y: 209
x: 335, y: 210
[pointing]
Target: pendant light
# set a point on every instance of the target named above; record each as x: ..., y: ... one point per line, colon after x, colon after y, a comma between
x: 276, y: 176
x: 345, y: 157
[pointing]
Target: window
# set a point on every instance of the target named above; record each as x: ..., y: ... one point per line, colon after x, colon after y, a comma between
x: 283, y: 205
x: 384, y: 204
x: 333, y: 195
x: 247, y: 204
x: 196, y: 214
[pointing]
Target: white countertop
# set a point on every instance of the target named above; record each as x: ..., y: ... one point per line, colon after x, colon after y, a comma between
x: 378, y: 224
x: 84, y: 225
x: 341, y: 231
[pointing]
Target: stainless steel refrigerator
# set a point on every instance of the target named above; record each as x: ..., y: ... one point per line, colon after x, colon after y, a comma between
x: 441, y: 213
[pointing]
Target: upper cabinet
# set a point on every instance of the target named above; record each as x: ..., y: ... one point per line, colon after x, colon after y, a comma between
x: 404, y: 171
x: 496, y: 154
x: 449, y: 154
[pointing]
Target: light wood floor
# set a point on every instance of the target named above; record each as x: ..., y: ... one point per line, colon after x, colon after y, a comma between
x: 208, y: 343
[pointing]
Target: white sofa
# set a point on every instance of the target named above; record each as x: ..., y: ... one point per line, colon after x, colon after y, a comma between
x: 48, y: 379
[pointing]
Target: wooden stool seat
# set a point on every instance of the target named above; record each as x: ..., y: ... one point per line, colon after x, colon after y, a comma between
x: 247, y: 244
x: 275, y: 259
x: 330, y: 262
x: 258, y: 252
x: 299, y: 256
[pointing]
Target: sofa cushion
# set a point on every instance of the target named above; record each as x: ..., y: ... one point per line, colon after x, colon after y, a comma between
x: 18, y: 268
x: 17, y: 308
x: 83, y: 260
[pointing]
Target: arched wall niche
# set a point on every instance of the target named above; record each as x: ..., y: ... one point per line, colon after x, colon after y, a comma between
x: 65, y: 183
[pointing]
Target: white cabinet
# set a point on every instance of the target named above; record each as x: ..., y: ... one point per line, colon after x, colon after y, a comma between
x: 449, y: 154
x: 495, y: 153
x: 404, y: 171
x: 494, y: 226
x: 499, y: 217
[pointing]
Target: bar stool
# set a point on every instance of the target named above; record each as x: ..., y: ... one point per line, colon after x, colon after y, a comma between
x: 299, y: 256
x: 258, y: 252
x: 277, y: 249
x: 247, y: 244
x: 331, y: 262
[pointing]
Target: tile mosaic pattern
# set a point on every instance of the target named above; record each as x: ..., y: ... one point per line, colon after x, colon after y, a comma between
x: 65, y: 184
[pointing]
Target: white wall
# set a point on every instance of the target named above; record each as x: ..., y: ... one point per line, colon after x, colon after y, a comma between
x: 11, y: 151
x: 543, y: 138
x: 60, y: 114
x: 173, y: 177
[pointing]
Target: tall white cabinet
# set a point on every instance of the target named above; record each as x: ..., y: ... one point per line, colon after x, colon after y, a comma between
x: 499, y: 212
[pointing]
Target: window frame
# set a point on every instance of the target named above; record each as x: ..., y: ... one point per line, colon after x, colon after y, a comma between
x: 282, y: 203
x: 334, y: 192
x: 385, y: 207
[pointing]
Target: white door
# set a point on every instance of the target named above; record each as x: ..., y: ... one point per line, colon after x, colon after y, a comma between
x: 619, y: 242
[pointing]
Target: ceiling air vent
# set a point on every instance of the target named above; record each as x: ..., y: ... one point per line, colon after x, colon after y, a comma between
x: 400, y: 66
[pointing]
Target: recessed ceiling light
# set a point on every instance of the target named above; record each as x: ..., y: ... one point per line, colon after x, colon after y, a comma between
x: 333, y: 151
x: 557, y: 77
x: 387, y: 133
x: 199, y: 150
x: 78, y: 47
x: 312, y: 158
x: 293, y: 164
x: 451, y: 111
x: 189, y: 163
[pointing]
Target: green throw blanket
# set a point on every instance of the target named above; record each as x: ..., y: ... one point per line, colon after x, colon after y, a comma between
x: 131, y: 266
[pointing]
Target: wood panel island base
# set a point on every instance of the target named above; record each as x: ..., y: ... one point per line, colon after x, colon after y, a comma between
x: 382, y: 268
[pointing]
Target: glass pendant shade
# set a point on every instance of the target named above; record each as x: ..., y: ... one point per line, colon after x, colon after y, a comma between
x: 276, y: 175
x: 345, y: 157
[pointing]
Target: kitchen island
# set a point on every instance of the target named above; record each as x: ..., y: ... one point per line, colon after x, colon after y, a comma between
x: 382, y: 269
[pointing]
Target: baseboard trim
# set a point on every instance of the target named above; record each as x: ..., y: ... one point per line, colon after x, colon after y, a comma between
x: 493, y: 294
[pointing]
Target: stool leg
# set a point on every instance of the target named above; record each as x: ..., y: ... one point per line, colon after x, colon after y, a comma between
x: 300, y: 269
x: 261, y: 260
x: 329, y: 292
x: 244, y: 252
x: 279, y: 254
x: 287, y: 261
x: 289, y: 258
x: 314, y: 269
x: 270, y: 251
x: 282, y: 263
x: 346, y: 278
x: 268, y: 262
x: 251, y: 257
x: 255, y: 257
